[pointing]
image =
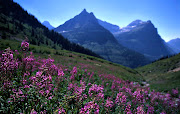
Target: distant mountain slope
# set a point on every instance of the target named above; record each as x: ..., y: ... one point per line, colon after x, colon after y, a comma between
x: 48, y: 25
x: 163, y: 75
x: 175, y: 44
x: 85, y: 30
x: 16, y: 23
x: 143, y: 37
x: 111, y: 27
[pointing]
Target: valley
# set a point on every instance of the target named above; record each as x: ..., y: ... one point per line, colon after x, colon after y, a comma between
x: 162, y: 75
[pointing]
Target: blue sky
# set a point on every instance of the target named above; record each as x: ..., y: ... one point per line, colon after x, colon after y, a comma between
x: 164, y: 14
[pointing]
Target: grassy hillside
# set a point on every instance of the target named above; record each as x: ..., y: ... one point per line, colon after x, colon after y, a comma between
x: 68, y: 58
x: 164, y: 74
x: 31, y: 85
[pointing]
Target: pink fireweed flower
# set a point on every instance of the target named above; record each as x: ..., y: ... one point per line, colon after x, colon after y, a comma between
x: 72, y: 77
x: 120, y: 98
x: 89, y: 84
x: 33, y: 79
x: 33, y: 111
x: 61, y: 111
x: 26, y: 74
x: 150, y: 110
x: 60, y: 72
x: 24, y: 81
x: 74, y: 71
x: 100, y: 96
x: 25, y: 45
x: 41, y: 92
x: 91, y: 75
x: 26, y: 86
x: 140, y: 110
x: 38, y: 74
x: 95, y: 89
x: 109, y: 103
x: 29, y: 62
x: 8, y: 63
x: 128, y: 109
x: 113, y: 86
x: 50, y: 77
x: 43, y: 112
x: 47, y: 91
x: 50, y: 97
x: 16, y: 51
x: 20, y: 92
x: 89, y: 107
x: 70, y: 86
x: 175, y: 91
x: 138, y: 96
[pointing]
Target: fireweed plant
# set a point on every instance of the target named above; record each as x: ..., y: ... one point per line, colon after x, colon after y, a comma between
x: 36, y: 85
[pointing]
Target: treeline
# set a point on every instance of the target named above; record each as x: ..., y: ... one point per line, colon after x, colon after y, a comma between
x: 15, y: 21
x: 164, y: 57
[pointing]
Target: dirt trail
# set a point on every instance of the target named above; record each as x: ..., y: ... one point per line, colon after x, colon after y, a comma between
x: 175, y: 70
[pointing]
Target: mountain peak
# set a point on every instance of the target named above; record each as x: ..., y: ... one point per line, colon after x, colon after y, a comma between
x: 136, y: 22
x: 45, y: 22
x: 48, y: 25
x: 149, y: 21
x: 84, y: 11
x: 91, y: 13
x: 79, y: 21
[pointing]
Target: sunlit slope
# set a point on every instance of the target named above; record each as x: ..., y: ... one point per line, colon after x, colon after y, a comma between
x: 68, y: 58
x: 164, y: 74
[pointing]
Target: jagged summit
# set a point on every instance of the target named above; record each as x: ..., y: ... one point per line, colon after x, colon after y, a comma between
x: 84, y: 11
x: 84, y: 19
x: 87, y: 16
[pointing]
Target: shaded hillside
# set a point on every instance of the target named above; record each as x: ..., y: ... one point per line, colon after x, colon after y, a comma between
x: 175, y: 44
x: 16, y: 23
x: 164, y: 74
x: 111, y: 27
x: 85, y: 30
